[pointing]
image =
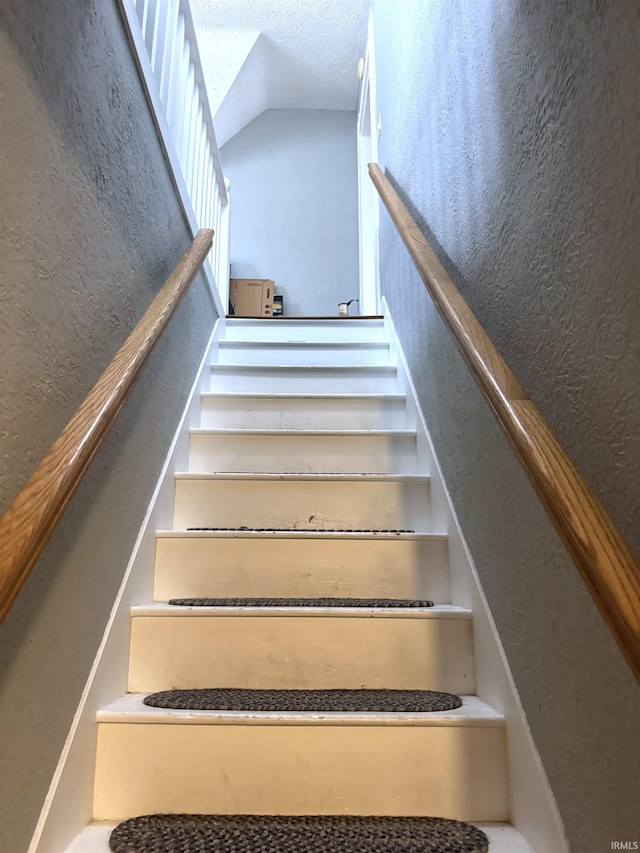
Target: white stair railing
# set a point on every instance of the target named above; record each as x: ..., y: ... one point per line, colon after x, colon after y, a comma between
x: 165, y: 48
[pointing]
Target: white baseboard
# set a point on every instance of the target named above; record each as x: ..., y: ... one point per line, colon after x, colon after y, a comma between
x: 68, y: 807
x: 534, y: 812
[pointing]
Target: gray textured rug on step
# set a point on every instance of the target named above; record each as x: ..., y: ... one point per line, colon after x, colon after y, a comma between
x: 322, y: 701
x: 267, y: 834
x: 300, y: 602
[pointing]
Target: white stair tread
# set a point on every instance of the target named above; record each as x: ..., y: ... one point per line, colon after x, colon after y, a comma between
x: 333, y: 368
x: 331, y: 320
x: 503, y: 838
x: 340, y: 478
x: 296, y: 349
x: 438, y: 611
x: 247, y: 342
x: 296, y: 534
x: 130, y: 709
x: 300, y: 395
x: 334, y: 321
x: 301, y: 433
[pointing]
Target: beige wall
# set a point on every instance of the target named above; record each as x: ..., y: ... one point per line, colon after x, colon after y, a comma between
x: 511, y: 129
x: 89, y: 229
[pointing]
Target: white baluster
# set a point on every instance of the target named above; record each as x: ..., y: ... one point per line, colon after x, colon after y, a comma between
x: 209, y: 188
x: 170, y: 37
x: 193, y: 117
x: 202, y: 174
x: 216, y: 219
x: 189, y: 109
x: 156, y: 36
x: 197, y: 175
x: 143, y: 14
x: 161, y: 42
x: 197, y: 162
x: 152, y: 8
x: 222, y: 280
x: 215, y: 204
x: 174, y: 79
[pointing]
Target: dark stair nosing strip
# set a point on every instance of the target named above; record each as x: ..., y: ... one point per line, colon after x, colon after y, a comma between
x: 318, y: 701
x: 306, y: 476
x: 301, y: 602
x: 244, y: 529
x: 287, y: 834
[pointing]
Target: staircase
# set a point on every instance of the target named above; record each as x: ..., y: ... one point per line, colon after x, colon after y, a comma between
x: 303, y: 483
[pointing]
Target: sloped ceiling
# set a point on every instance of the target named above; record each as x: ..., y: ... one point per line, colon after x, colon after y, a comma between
x: 276, y: 54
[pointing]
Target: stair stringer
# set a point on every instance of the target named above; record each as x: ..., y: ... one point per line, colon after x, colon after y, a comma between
x: 68, y: 807
x: 534, y: 812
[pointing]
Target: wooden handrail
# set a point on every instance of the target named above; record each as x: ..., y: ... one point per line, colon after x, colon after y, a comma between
x: 30, y: 520
x: 608, y: 567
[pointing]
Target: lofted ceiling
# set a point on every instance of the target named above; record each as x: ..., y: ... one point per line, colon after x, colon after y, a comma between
x: 277, y: 54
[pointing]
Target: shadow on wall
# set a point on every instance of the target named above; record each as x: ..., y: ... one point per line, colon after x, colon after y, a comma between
x: 92, y: 97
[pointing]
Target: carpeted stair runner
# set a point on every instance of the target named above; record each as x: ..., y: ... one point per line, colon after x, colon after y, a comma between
x: 300, y: 602
x: 275, y: 834
x: 322, y: 701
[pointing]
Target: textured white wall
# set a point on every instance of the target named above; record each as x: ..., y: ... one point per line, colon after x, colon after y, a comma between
x: 511, y: 130
x: 306, y: 56
x: 294, y: 198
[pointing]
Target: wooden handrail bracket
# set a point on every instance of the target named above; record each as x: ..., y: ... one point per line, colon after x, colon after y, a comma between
x: 608, y: 567
x: 30, y: 520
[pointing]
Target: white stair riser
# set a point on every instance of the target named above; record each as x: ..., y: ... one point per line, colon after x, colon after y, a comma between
x: 456, y: 772
x: 245, y: 352
x: 306, y: 330
x: 302, y: 413
x: 281, y: 568
x: 381, y: 454
x: 369, y: 380
x: 302, y: 504
x: 300, y: 651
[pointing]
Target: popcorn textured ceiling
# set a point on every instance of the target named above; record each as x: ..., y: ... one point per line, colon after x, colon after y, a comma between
x: 278, y: 54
